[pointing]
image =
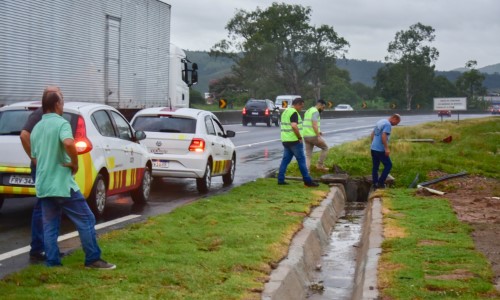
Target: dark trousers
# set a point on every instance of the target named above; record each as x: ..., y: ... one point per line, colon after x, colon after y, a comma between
x: 377, y: 158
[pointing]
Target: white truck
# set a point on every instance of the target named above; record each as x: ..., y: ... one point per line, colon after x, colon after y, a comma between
x: 114, y: 52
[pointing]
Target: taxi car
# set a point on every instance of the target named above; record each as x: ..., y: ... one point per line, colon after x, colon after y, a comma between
x: 187, y: 143
x: 110, y: 157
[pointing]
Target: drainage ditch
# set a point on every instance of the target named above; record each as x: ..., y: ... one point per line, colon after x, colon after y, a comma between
x: 333, y: 257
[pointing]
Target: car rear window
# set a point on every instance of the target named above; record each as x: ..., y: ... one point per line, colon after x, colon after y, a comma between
x: 12, y: 121
x: 256, y: 104
x: 165, y: 124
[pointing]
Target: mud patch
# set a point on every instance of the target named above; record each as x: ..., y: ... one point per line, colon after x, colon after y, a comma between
x: 455, y: 275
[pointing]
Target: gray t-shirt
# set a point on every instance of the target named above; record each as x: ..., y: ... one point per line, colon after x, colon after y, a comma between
x: 33, y: 119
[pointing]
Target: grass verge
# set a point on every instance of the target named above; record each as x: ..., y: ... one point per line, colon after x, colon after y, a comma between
x: 220, y: 247
x: 427, y: 253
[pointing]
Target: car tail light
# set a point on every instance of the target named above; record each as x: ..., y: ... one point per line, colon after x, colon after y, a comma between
x: 82, y: 143
x: 244, y: 110
x: 197, y: 145
x: 266, y: 112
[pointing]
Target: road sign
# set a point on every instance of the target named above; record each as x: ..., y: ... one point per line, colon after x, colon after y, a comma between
x: 284, y: 104
x: 222, y: 103
x: 450, y: 103
x: 364, y: 105
x: 330, y: 104
x: 418, y: 106
x: 393, y: 105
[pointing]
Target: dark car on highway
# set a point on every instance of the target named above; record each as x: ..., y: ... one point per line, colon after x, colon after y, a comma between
x: 260, y: 111
x: 444, y: 113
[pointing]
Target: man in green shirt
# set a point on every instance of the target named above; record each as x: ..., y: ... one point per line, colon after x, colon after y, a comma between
x: 54, y: 154
x: 313, y: 135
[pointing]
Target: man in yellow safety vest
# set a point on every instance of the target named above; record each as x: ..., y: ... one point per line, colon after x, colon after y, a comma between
x: 313, y: 135
x: 291, y: 138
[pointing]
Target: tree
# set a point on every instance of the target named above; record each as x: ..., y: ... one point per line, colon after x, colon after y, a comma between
x: 280, y: 49
x: 409, y: 51
x: 470, y: 83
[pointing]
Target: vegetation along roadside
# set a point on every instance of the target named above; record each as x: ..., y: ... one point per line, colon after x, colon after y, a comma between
x: 225, y: 246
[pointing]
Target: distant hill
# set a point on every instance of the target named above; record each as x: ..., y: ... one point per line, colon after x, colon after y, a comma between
x: 360, y: 70
x: 491, y: 69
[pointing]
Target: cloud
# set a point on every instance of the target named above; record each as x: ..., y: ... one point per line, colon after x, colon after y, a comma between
x: 465, y: 29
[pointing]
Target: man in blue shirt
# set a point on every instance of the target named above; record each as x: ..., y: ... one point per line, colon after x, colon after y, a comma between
x: 380, y: 149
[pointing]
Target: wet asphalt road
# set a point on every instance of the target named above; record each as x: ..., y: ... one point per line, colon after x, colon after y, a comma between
x: 259, y: 154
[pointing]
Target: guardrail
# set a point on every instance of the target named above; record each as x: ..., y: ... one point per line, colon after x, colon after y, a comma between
x: 234, y: 116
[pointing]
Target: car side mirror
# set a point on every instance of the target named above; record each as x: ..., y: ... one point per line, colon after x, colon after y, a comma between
x: 140, y: 135
x: 230, y: 133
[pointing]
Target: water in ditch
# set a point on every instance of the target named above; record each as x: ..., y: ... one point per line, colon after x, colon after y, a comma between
x: 335, y: 275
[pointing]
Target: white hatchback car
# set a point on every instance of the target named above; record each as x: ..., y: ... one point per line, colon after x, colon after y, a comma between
x: 187, y: 143
x: 111, y: 159
x: 343, y: 107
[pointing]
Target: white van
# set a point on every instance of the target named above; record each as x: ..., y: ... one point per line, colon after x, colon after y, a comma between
x: 287, y: 98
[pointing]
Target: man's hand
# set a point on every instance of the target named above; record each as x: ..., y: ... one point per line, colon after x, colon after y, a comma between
x: 387, y: 152
x: 72, y: 166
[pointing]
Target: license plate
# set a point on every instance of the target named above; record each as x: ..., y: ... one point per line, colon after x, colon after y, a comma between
x: 21, y: 180
x: 255, y: 113
x: 160, y: 163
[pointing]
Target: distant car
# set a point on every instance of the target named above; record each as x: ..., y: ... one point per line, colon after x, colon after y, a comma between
x: 187, y: 143
x: 444, y: 113
x: 495, y: 109
x: 260, y: 111
x: 343, y: 107
x: 109, y: 154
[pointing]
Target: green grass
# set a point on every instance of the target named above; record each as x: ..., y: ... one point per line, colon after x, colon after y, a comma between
x: 216, y: 248
x: 475, y: 148
x: 428, y: 253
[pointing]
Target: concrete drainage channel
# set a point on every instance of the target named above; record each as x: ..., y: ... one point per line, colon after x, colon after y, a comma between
x: 335, y: 255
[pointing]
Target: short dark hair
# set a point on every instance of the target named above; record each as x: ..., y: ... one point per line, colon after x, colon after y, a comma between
x: 297, y: 101
x: 321, y: 101
x: 49, y: 101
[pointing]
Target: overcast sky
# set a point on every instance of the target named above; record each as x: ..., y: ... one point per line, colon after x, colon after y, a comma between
x: 465, y: 29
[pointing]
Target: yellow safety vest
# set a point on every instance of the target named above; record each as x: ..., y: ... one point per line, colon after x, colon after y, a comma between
x: 287, y: 134
x: 308, y: 123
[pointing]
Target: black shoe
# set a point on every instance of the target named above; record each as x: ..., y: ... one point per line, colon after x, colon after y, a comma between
x: 311, y: 184
x: 100, y: 264
x: 283, y: 183
x: 37, y: 258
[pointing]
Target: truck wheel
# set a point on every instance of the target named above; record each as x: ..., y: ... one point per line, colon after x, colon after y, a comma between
x: 229, y: 176
x: 203, y: 184
x: 97, y: 198
x: 141, y: 194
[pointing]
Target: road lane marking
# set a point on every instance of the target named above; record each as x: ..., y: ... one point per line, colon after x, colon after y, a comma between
x: 67, y: 236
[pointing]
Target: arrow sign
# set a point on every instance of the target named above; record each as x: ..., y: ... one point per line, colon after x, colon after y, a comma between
x: 393, y: 106
x: 330, y: 104
x: 222, y: 103
x: 364, y: 105
x: 284, y: 104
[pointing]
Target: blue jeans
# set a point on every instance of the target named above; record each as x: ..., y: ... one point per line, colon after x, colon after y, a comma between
x: 377, y: 158
x: 36, y: 222
x: 289, y: 152
x: 77, y: 210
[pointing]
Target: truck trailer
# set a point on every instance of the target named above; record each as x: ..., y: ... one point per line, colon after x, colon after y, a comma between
x: 114, y: 52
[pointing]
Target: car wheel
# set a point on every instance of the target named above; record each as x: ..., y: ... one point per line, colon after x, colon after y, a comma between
x: 277, y: 123
x: 203, y: 184
x: 229, y: 177
x: 253, y: 123
x: 245, y: 123
x: 268, y: 122
x: 141, y: 194
x: 97, y: 198
x: 1, y: 201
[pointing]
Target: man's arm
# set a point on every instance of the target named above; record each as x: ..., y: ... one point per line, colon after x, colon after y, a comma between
x: 295, y: 128
x: 372, y: 135
x: 25, y: 140
x: 69, y: 146
x: 386, y: 145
